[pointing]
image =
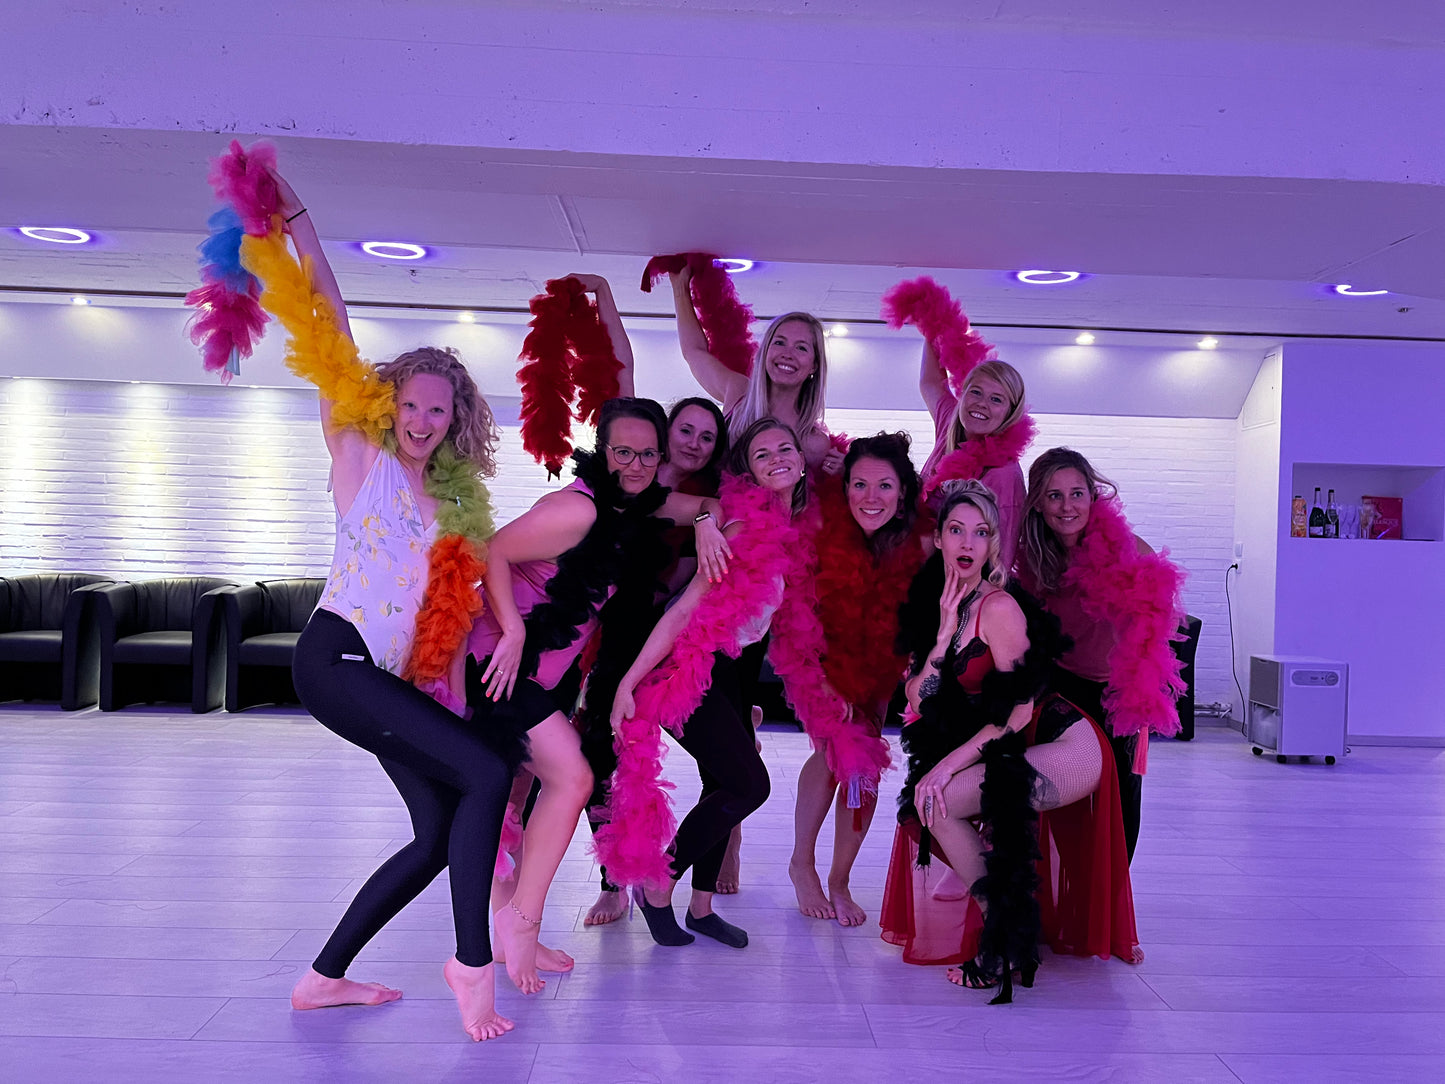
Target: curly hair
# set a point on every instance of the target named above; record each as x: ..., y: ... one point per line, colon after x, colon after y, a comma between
x: 890, y: 448
x: 474, y: 432
x: 739, y: 460
x: 1042, y: 553
x: 979, y: 497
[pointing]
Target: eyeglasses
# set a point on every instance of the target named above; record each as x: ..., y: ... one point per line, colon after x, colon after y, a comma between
x: 624, y: 456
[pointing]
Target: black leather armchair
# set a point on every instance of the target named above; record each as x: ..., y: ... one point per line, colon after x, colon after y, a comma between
x: 1185, y: 650
x: 161, y: 640
x: 48, y: 645
x: 263, y: 622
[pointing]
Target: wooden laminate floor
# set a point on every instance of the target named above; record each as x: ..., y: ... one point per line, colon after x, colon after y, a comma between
x: 164, y: 877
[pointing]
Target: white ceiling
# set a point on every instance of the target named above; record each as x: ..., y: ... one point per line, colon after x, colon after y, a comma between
x: 1163, y: 250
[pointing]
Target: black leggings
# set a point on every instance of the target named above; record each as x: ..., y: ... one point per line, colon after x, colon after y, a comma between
x: 719, y: 736
x: 454, y: 786
x: 1088, y: 697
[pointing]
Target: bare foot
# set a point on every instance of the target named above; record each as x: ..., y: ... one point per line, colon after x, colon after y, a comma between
x: 845, y: 907
x: 757, y: 717
x: 1136, y: 958
x: 474, y: 988
x: 809, y: 889
x: 517, y: 939
x: 950, y: 887
x: 316, y: 991
x: 608, y: 908
x: 730, y: 873
x: 548, y: 959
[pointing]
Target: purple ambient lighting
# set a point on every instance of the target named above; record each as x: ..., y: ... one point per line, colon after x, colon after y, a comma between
x: 1048, y: 278
x: 56, y: 235
x: 393, y: 250
x: 732, y: 265
x: 1344, y: 289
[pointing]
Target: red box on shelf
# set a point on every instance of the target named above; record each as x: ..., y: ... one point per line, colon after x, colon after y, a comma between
x: 1383, y: 517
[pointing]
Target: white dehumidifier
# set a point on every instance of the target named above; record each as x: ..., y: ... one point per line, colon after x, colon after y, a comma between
x: 1298, y: 706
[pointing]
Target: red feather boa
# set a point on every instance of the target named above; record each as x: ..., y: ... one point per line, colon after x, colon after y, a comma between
x: 833, y: 641
x: 571, y: 355
x: 724, y: 318
x: 1138, y: 595
x: 633, y: 844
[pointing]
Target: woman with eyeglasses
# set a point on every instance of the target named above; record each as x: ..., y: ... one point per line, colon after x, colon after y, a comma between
x: 549, y: 573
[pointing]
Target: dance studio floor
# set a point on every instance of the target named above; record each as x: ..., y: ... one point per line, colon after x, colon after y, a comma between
x: 164, y: 878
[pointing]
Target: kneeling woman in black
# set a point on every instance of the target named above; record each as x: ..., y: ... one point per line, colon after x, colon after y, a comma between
x: 685, y: 679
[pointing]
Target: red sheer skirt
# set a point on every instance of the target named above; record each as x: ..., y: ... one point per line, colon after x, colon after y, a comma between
x: 1086, y: 901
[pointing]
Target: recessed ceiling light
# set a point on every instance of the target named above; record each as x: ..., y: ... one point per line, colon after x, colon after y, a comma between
x: 838, y: 331
x: 732, y: 265
x: 393, y: 250
x: 1047, y: 278
x: 1344, y: 289
x: 56, y: 235
x: 79, y: 300
x: 1084, y: 338
x: 467, y: 317
x: 1209, y: 342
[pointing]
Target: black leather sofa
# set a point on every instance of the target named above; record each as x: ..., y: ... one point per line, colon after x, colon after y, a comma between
x: 48, y: 645
x: 161, y: 641
x: 263, y: 621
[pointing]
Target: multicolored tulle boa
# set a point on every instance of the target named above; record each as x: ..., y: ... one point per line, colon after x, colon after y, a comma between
x: 1138, y: 595
x: 941, y: 320
x: 568, y: 354
x: 724, y: 318
x: 320, y: 352
x: 833, y: 642
x: 229, y: 320
x: 641, y: 825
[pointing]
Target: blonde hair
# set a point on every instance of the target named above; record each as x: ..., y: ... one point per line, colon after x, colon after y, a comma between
x: 474, y: 432
x: 810, y: 401
x: 1001, y: 372
x: 979, y: 497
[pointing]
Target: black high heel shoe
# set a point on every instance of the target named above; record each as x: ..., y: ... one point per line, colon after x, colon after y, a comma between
x: 978, y: 977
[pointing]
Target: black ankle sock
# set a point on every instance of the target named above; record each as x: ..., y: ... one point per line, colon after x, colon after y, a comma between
x: 714, y: 927
x: 662, y: 923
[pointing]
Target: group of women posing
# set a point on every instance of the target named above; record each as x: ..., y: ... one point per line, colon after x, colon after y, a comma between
x: 625, y: 603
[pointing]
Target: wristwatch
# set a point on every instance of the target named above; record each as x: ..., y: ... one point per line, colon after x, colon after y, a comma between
x: 701, y: 517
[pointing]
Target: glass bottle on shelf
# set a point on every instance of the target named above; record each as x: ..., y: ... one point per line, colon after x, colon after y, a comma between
x: 1332, y: 517
x: 1317, y: 517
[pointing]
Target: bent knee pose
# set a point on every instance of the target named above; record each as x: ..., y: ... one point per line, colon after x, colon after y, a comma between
x: 697, y: 443
x: 549, y: 573
x: 713, y: 622
x: 350, y: 655
x: 867, y: 553
x: 1075, y: 541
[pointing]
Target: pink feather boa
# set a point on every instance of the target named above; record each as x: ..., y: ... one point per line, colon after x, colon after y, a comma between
x: 242, y: 178
x: 979, y: 454
x: 641, y: 825
x: 940, y: 319
x: 1138, y: 595
x: 855, y: 755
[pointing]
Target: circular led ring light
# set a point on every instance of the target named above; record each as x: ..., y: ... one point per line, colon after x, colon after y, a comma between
x: 56, y: 235
x: 1344, y: 289
x: 733, y: 265
x: 399, y: 250
x: 1048, y: 278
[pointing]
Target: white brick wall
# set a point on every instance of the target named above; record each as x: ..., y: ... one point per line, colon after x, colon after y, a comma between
x: 144, y: 480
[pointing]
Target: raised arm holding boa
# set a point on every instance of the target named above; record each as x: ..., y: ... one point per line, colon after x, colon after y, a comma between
x: 981, y: 419
x: 320, y: 351
x: 408, y: 441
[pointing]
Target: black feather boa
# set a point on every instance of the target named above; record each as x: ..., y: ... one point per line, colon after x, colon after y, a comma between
x: 603, y: 559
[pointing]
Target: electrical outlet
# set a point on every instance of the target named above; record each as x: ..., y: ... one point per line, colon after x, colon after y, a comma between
x: 1238, y: 550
